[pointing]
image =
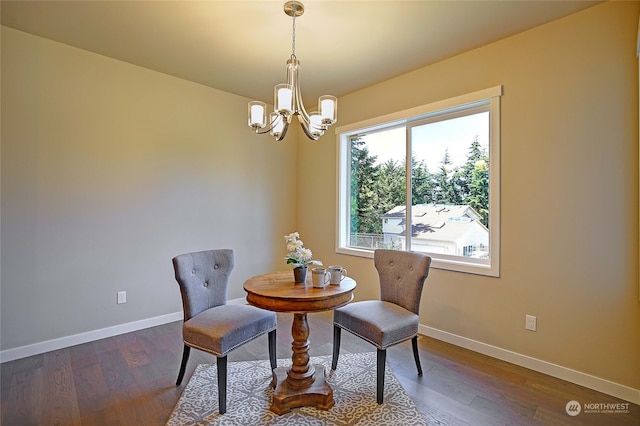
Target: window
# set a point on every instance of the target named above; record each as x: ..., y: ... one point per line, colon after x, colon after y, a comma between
x: 426, y: 179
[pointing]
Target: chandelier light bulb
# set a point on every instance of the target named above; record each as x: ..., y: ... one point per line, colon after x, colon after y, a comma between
x: 316, y: 129
x: 328, y: 106
x: 278, y: 125
x: 283, y: 99
x: 257, y: 114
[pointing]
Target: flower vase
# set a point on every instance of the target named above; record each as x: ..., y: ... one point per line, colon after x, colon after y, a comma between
x: 300, y: 274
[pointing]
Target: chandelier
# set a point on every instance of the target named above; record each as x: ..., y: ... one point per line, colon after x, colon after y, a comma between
x: 288, y: 99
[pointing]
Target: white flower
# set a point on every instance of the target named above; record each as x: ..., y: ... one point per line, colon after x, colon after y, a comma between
x: 294, y: 245
x: 305, y: 253
x: 291, y: 237
x: 298, y: 255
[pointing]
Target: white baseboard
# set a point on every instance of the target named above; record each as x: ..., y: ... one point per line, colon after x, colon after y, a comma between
x: 583, y: 379
x: 90, y: 336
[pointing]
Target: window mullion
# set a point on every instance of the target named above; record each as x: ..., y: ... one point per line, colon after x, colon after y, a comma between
x: 408, y: 164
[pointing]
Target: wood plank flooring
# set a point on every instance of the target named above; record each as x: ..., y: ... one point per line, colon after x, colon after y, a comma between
x: 130, y: 380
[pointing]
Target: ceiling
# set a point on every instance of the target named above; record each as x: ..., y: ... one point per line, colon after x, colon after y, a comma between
x: 241, y: 46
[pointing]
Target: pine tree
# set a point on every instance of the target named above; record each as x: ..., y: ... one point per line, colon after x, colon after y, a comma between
x: 475, y: 178
x: 479, y: 190
x: 465, y: 175
x: 391, y: 187
x: 364, y: 197
x: 445, y: 189
x: 422, y: 183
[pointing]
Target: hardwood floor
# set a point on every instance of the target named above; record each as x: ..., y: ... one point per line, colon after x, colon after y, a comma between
x: 130, y: 380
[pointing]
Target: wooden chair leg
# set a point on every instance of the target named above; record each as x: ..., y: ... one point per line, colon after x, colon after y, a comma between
x: 382, y: 358
x: 183, y: 364
x: 222, y: 384
x: 336, y: 346
x: 272, y: 349
x: 416, y: 356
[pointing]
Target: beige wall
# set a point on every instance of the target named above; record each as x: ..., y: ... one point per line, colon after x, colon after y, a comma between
x: 569, y: 193
x: 108, y: 171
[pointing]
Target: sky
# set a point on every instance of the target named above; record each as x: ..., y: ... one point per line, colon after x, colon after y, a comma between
x: 431, y: 140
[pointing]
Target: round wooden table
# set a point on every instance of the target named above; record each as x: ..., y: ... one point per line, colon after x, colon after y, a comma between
x: 299, y: 385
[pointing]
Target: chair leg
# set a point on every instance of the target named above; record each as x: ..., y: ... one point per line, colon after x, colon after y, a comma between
x: 336, y: 346
x: 416, y: 356
x: 183, y: 365
x: 382, y: 358
x: 222, y: 384
x: 272, y: 349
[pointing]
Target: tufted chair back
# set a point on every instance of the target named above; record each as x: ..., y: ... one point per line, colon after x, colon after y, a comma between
x: 402, y: 276
x: 203, y: 278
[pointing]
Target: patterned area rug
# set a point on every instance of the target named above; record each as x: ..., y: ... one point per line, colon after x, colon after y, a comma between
x: 249, y: 396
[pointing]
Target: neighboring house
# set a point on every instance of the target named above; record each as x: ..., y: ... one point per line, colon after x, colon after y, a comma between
x: 439, y: 228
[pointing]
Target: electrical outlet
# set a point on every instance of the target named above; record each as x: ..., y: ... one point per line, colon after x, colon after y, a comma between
x: 122, y: 297
x: 530, y: 322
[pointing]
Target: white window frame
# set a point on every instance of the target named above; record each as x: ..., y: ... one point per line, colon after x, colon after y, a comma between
x: 490, y: 97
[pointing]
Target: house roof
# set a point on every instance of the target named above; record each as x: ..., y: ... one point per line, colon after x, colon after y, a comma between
x: 442, y: 222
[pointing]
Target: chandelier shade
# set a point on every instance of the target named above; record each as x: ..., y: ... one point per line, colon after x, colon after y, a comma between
x: 287, y: 101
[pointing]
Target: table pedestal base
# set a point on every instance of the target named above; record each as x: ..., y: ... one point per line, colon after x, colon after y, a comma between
x: 286, y: 397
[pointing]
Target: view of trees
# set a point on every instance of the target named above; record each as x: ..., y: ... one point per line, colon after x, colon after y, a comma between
x: 376, y: 189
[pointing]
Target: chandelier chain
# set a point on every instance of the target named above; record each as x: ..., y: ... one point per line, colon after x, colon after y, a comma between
x: 293, y: 38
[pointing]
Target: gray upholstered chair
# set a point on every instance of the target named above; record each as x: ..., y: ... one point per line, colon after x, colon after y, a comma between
x: 210, y: 324
x: 392, y: 319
